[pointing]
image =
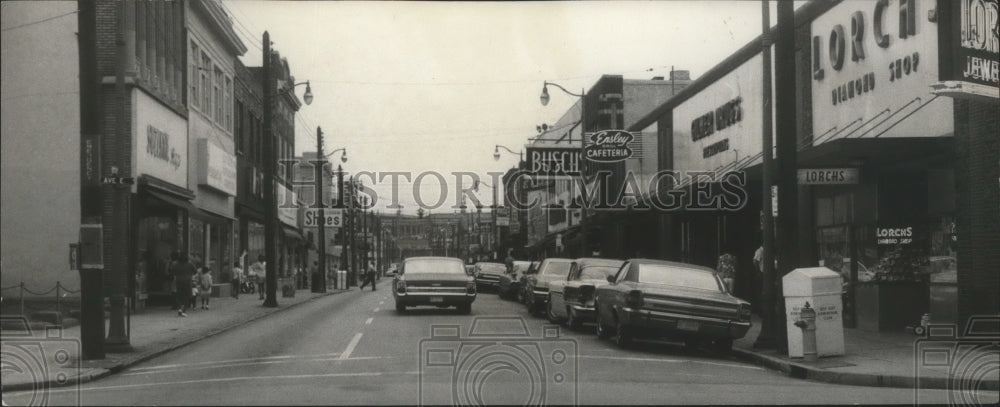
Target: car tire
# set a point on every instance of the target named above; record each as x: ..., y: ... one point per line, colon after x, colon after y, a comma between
x: 623, y: 335
x: 572, y: 321
x: 400, y: 308
x: 723, y: 346
x: 602, y: 331
x: 465, y: 308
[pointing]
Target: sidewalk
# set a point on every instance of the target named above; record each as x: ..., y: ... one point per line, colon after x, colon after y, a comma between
x: 878, y: 359
x: 155, y: 331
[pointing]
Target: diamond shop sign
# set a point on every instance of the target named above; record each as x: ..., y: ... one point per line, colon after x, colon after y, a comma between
x: 608, y: 146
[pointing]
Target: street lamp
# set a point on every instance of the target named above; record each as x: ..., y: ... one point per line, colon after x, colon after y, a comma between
x: 584, y: 247
x: 496, y: 152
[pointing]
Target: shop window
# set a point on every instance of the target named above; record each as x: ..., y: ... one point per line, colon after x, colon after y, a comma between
x: 206, y: 84
x: 217, y: 89
x: 195, y: 74
x: 228, y: 104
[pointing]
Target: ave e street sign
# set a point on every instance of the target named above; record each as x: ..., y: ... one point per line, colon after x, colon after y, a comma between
x: 334, y: 218
x: 828, y: 176
x: 113, y: 180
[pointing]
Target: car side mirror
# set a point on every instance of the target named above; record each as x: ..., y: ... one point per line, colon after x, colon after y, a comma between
x: 611, y: 279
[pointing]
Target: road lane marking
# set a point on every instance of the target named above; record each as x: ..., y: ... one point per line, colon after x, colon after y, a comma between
x: 350, y: 346
x: 634, y: 359
x: 217, y: 362
x: 369, y: 321
x: 247, y: 364
x: 224, y: 379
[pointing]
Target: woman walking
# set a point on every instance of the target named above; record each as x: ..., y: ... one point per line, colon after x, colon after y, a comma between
x: 205, y: 287
x: 182, y: 271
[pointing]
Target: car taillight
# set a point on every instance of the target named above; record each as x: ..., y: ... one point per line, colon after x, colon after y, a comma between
x: 586, y: 293
x: 401, y: 287
x: 743, y: 311
x: 634, y: 299
x: 470, y: 287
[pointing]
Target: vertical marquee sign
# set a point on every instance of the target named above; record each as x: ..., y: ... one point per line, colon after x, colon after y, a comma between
x: 970, y: 48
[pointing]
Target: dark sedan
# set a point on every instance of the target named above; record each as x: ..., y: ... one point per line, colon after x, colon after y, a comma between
x: 435, y: 281
x: 488, y: 275
x: 654, y: 298
x: 536, y: 285
x: 572, y: 300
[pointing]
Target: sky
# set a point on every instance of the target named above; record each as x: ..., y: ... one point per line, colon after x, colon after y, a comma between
x: 415, y: 86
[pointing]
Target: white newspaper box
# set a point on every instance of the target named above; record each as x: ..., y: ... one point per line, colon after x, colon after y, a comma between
x: 820, y: 287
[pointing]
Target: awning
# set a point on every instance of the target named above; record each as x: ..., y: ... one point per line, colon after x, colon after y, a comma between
x: 292, y: 233
x: 170, y: 199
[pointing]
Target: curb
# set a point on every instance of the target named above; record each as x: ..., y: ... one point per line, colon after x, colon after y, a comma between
x: 100, y: 373
x: 802, y: 371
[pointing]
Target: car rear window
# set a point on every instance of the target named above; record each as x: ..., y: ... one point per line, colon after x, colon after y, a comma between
x: 560, y: 268
x: 597, y: 272
x: 434, y: 266
x: 492, y: 268
x: 677, y: 276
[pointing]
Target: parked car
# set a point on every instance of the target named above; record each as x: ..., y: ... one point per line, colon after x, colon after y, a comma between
x: 663, y: 299
x: 572, y: 300
x: 488, y: 275
x: 536, y: 285
x: 510, y: 282
x: 436, y: 281
x: 391, y: 271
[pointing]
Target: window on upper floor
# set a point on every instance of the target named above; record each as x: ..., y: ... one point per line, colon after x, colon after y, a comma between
x: 219, y: 100
x: 228, y: 103
x: 195, y: 73
x: 205, y: 87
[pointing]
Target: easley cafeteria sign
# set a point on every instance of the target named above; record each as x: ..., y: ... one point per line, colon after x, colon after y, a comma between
x: 608, y: 146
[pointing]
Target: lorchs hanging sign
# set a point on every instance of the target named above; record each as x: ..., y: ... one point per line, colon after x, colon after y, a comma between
x: 970, y: 47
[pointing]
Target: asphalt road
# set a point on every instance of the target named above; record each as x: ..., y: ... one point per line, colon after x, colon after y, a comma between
x: 354, y: 348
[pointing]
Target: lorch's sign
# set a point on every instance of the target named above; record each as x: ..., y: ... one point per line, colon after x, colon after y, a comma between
x: 970, y: 43
x: 608, y: 146
x: 828, y: 176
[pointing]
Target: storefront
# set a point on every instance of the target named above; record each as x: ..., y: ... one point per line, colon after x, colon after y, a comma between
x: 162, y: 203
x: 878, y: 180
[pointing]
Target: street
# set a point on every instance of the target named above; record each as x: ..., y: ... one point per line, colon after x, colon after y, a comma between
x: 354, y: 348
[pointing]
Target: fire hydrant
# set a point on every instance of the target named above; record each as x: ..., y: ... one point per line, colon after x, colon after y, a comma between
x: 807, y: 322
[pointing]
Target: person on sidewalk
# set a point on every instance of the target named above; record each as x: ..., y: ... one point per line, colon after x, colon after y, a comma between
x: 182, y: 270
x: 205, y: 286
x: 258, y: 272
x: 369, y: 276
x: 175, y: 257
x: 237, y: 280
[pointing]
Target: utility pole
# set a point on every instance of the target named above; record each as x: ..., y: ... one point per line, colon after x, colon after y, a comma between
x: 91, y: 248
x: 270, y: 205
x: 343, y: 227
x: 787, y: 150
x: 118, y: 336
x: 319, y: 284
x: 768, y: 331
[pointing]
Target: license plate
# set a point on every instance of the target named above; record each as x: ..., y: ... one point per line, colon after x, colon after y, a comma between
x: 687, y: 325
x: 437, y: 299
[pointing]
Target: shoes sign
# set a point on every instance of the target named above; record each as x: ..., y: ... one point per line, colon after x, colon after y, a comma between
x: 608, y: 146
x: 331, y: 218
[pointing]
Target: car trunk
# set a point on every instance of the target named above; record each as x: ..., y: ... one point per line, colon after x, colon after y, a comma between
x: 691, y: 302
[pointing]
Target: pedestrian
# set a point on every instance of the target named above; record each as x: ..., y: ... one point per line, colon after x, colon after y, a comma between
x: 182, y: 270
x: 509, y: 261
x: 726, y: 268
x: 237, y: 278
x: 195, y: 287
x: 258, y: 272
x: 369, y: 276
x: 171, y: 278
x: 205, y: 286
x: 314, y: 273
